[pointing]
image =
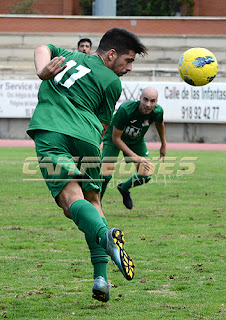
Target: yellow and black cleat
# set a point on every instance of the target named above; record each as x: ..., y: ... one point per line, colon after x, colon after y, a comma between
x: 126, y: 261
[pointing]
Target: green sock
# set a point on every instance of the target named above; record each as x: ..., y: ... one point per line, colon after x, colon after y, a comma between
x: 88, y: 220
x: 99, y: 258
x: 134, y: 181
x: 100, y: 269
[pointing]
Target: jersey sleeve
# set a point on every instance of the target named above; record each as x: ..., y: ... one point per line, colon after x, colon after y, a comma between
x: 111, y: 96
x: 159, y: 114
x: 120, y: 118
x: 55, y: 51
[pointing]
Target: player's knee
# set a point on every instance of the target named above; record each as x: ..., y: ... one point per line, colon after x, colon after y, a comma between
x: 67, y: 214
x: 70, y: 193
x: 93, y: 197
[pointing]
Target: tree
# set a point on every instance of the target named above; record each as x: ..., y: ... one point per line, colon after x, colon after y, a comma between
x: 23, y: 7
x: 86, y: 6
x: 152, y: 7
x: 146, y: 7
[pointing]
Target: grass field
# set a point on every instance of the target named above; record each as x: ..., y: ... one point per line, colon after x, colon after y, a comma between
x: 175, y: 234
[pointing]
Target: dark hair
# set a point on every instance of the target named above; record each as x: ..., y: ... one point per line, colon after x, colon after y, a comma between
x: 85, y: 40
x: 122, y: 41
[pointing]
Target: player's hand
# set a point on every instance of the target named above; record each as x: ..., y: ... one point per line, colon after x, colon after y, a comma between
x: 52, y: 68
x: 143, y: 160
x: 162, y: 151
x: 145, y: 166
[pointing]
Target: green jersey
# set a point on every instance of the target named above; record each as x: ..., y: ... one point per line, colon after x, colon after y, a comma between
x: 133, y: 124
x: 78, y: 99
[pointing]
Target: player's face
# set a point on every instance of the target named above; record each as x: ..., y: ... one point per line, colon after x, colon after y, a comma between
x: 147, y: 103
x: 123, y: 63
x: 84, y: 47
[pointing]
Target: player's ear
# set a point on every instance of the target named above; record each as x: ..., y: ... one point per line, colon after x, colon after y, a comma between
x: 112, y: 54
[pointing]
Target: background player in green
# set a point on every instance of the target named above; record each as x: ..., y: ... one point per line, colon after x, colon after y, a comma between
x: 76, y: 101
x: 126, y: 133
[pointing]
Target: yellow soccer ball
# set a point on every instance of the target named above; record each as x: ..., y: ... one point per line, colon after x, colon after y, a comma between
x: 197, y: 66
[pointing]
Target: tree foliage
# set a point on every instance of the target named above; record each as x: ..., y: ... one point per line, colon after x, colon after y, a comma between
x: 86, y: 6
x: 145, y: 7
x: 23, y: 7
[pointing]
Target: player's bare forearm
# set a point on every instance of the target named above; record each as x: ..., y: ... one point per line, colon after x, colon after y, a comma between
x: 125, y: 149
x: 45, y: 67
x: 117, y: 140
x: 119, y: 143
x: 161, y: 131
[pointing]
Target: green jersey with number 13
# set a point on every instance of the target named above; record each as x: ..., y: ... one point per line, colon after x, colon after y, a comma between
x: 78, y: 99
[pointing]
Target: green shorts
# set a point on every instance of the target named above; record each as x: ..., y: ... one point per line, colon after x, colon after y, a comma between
x: 62, y: 158
x: 110, y: 149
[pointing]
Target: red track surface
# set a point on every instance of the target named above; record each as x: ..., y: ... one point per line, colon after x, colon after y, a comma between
x: 150, y: 145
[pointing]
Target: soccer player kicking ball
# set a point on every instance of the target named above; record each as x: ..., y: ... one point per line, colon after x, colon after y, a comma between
x: 126, y: 133
x: 76, y: 101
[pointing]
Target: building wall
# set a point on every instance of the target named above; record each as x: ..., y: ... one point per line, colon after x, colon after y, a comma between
x: 175, y: 132
x: 48, y: 7
x: 138, y: 25
x: 210, y: 8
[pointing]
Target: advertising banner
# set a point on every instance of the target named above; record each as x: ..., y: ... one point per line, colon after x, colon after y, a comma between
x: 181, y: 102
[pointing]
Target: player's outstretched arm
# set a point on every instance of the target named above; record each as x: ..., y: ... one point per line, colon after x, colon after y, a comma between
x: 144, y: 165
x: 45, y: 67
x: 161, y: 131
x: 117, y: 140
